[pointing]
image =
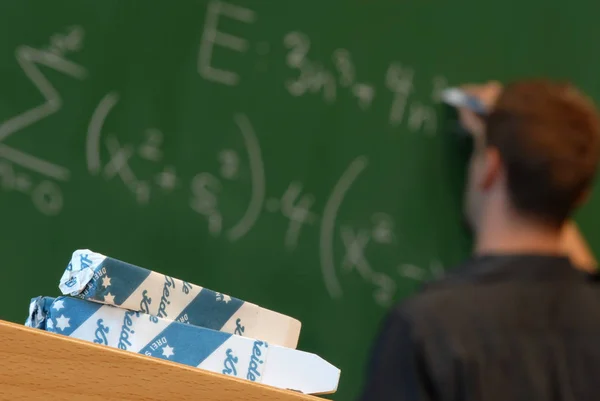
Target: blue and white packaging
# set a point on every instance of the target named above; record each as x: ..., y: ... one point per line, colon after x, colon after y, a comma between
x: 37, y: 312
x: 219, y: 352
x: 95, y: 277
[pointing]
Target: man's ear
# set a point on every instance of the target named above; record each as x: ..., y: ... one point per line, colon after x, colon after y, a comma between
x: 492, y: 166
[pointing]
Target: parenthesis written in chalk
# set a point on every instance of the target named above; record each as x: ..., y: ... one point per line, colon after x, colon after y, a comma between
x: 94, y: 131
x: 358, y: 165
x: 257, y: 173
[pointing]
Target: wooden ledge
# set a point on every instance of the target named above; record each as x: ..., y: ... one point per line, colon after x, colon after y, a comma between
x: 36, y: 365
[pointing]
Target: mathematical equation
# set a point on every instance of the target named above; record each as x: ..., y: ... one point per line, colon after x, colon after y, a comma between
x: 313, y: 77
x: 295, y: 205
x: 204, y: 190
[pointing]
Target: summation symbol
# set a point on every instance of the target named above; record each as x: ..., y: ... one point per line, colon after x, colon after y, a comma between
x: 46, y: 195
x: 29, y: 59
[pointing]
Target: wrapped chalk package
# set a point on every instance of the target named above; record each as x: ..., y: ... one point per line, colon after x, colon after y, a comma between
x: 37, y: 312
x: 220, y: 352
x: 95, y: 277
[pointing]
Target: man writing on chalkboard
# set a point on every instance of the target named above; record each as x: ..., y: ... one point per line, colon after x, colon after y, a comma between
x: 520, y: 320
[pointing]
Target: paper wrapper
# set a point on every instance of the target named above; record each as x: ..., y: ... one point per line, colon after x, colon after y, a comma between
x: 219, y: 352
x: 95, y: 277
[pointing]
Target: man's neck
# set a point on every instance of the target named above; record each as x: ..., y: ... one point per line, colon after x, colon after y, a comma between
x: 504, y: 235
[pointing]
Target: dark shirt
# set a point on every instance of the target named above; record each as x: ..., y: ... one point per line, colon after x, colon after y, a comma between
x: 505, y: 328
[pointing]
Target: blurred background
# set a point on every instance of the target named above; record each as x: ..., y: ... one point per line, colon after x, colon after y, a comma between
x: 291, y: 154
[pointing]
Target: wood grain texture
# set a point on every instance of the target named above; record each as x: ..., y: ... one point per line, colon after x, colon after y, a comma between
x: 36, y: 365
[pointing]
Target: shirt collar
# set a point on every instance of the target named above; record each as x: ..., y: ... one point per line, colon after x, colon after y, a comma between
x: 519, y: 267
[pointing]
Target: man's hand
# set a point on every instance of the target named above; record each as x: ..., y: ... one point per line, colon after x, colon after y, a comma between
x: 488, y: 94
x: 575, y: 246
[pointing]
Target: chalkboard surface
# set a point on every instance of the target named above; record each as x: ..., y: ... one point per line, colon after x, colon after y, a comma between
x: 292, y: 154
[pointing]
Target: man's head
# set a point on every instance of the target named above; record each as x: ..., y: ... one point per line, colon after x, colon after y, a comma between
x: 537, y: 156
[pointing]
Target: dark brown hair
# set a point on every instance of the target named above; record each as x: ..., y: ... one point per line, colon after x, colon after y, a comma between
x: 548, y: 137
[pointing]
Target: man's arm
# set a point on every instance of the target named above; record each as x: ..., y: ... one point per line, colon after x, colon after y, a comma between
x: 397, y: 370
x: 576, y: 247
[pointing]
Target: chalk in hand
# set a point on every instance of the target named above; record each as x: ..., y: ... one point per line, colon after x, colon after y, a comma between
x: 457, y: 97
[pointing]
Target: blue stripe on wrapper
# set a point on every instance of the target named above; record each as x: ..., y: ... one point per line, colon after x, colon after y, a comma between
x: 78, y: 313
x: 95, y: 277
x: 219, y: 352
x: 206, y: 311
x: 167, y: 345
x: 124, y: 276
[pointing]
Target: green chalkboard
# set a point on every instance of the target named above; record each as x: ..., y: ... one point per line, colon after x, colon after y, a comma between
x: 292, y: 154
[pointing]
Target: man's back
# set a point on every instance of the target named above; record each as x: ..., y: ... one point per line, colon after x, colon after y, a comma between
x: 519, y: 327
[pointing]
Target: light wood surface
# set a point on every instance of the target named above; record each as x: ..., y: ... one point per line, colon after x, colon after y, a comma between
x: 36, y: 365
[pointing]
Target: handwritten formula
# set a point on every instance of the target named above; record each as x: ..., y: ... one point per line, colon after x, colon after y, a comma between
x: 110, y: 157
